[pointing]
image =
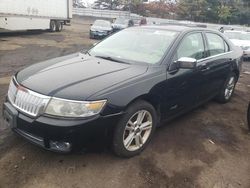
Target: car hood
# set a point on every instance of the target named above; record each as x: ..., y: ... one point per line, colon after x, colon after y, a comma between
x: 100, y: 28
x: 77, y: 76
x: 241, y: 43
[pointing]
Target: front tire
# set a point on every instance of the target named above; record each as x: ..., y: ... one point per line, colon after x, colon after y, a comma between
x: 135, y: 129
x: 228, y: 89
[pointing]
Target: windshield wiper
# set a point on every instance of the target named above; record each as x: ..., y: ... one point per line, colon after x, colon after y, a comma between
x: 112, y: 59
x: 85, y: 52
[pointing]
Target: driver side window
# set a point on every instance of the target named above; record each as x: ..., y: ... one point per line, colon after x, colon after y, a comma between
x: 191, y: 46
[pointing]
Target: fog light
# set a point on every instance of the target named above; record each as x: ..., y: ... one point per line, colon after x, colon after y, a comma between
x: 60, y: 146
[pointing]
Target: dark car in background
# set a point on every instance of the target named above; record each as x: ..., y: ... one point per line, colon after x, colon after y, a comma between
x: 100, y: 29
x: 123, y: 87
x: 140, y: 21
x: 122, y: 23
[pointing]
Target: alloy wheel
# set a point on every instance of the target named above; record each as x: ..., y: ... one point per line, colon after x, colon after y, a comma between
x: 137, y: 130
x: 229, y: 88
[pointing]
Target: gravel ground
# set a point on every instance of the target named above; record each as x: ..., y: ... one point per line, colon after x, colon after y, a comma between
x: 208, y: 147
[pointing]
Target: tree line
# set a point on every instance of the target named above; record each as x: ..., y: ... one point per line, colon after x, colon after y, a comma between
x: 215, y: 11
x: 212, y: 11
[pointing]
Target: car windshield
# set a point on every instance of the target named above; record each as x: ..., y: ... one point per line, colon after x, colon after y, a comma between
x: 102, y: 23
x: 121, y: 21
x: 238, y: 35
x: 135, y: 45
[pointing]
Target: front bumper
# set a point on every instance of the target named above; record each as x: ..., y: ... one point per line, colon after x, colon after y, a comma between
x: 61, y: 135
x: 96, y: 34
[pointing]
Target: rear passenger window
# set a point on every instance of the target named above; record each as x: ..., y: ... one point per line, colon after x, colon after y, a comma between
x: 216, y: 44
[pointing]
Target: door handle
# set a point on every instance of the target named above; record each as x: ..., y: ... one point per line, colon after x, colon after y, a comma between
x: 204, y: 68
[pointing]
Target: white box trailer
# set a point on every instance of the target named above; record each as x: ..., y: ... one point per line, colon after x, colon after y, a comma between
x: 35, y: 14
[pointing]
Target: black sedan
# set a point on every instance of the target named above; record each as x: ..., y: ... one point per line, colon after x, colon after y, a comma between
x: 124, y: 86
x: 100, y: 29
x: 122, y: 23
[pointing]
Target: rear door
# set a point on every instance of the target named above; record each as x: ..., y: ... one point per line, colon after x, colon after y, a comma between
x: 215, y: 68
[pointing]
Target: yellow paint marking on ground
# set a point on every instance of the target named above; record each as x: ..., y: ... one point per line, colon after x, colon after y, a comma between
x: 5, y: 80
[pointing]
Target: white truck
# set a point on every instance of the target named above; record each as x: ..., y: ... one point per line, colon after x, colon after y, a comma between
x: 35, y: 14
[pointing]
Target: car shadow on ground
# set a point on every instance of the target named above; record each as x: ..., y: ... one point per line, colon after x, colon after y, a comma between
x: 21, y: 33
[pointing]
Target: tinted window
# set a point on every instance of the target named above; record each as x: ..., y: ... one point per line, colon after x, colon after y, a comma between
x: 191, y: 46
x: 216, y: 44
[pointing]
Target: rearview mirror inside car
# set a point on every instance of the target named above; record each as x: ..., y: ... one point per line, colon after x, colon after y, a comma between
x: 186, y: 63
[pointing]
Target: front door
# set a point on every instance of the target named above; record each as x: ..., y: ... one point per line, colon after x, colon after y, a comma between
x: 183, y: 85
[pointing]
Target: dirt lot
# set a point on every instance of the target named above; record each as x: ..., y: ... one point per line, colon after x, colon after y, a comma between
x: 209, y: 147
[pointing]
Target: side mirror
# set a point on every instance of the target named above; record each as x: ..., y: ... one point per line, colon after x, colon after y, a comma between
x: 90, y: 24
x: 187, y: 63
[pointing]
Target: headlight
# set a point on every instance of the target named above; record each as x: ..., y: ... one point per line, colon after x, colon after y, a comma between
x: 71, y: 108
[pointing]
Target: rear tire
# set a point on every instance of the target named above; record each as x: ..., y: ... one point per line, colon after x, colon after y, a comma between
x: 59, y: 26
x: 135, y: 129
x: 227, y: 90
x: 52, y: 26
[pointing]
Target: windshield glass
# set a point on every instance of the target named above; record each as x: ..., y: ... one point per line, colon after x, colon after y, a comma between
x: 136, y: 45
x: 102, y: 23
x: 121, y: 21
x: 238, y: 35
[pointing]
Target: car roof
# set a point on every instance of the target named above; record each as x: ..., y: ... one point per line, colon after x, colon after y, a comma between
x: 178, y: 28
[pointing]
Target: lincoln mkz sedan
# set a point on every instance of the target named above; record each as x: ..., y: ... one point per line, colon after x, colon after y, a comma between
x: 123, y: 87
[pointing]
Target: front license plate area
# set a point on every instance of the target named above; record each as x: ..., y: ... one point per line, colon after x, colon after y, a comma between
x: 10, y: 115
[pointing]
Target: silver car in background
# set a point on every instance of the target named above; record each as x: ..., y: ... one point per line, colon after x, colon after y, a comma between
x: 241, y: 39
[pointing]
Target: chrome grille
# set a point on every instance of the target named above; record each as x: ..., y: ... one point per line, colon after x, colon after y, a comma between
x: 25, y: 100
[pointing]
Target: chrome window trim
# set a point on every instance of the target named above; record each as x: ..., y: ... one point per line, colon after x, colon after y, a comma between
x: 214, y: 56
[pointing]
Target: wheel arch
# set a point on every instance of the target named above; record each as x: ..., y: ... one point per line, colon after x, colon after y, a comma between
x: 237, y: 72
x: 152, y: 99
